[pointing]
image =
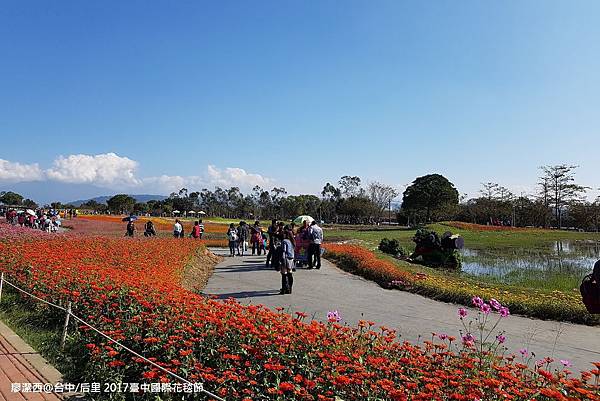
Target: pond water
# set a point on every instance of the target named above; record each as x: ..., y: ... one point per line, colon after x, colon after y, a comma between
x: 560, y: 265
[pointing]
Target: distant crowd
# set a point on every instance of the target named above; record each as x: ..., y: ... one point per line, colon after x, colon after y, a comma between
x: 48, y: 220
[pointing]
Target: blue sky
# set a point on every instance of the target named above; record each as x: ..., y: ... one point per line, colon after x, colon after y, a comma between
x: 297, y: 93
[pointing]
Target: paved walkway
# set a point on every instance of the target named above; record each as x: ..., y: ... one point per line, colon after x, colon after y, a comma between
x: 318, y: 291
x: 19, y: 363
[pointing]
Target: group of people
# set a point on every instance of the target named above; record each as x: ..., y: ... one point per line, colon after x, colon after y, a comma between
x: 41, y: 219
x: 178, y: 230
x: 197, y: 229
x: 243, y: 236
x: 285, y: 246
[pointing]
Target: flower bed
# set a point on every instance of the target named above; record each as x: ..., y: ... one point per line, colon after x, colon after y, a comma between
x: 131, y: 290
x: 452, y: 288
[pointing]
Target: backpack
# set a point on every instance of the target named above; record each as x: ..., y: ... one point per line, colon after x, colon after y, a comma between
x: 232, y: 235
x: 590, y: 294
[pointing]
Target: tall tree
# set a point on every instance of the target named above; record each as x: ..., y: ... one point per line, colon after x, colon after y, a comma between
x: 121, y: 203
x: 350, y: 185
x: 10, y: 198
x: 381, y: 195
x: 429, y: 195
x: 561, y: 187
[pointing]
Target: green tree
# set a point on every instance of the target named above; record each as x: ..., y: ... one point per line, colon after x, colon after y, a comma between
x: 350, y: 185
x: 429, y: 195
x: 10, y: 198
x: 141, y: 208
x: 121, y: 203
x: 563, y: 190
x: 28, y: 203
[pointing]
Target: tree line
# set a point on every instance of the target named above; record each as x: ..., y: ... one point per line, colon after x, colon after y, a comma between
x: 348, y: 201
x: 559, y: 201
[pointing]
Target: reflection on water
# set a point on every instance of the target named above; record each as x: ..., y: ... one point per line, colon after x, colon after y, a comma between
x: 568, y: 261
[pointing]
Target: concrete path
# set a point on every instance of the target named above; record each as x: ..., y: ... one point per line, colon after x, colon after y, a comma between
x: 20, y: 364
x: 318, y: 291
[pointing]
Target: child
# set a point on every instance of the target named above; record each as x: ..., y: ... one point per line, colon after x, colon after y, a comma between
x: 232, y: 238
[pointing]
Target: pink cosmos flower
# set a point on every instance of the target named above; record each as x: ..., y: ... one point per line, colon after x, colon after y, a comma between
x: 462, y: 312
x: 504, y: 312
x: 495, y: 304
x: 468, y: 339
x: 501, y: 339
x: 477, y: 301
x: 485, y: 308
x: 524, y: 352
x: 334, y: 316
x: 566, y: 363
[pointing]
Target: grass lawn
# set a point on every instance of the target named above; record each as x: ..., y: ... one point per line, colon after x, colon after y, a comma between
x: 529, y: 238
x: 505, y: 249
x: 39, y: 327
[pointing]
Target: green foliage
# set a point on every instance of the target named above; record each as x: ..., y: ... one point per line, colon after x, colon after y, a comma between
x: 121, y: 203
x: 392, y: 247
x: 10, y: 198
x: 389, y: 246
x: 429, y: 197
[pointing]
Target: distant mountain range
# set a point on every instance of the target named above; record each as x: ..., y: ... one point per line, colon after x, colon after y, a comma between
x: 45, y: 192
x: 103, y: 199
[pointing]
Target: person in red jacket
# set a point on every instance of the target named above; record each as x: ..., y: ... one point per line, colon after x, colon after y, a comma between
x: 196, y: 230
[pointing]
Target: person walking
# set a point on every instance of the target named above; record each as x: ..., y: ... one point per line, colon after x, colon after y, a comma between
x: 177, y: 229
x: 201, y: 228
x: 256, y: 238
x: 232, y: 238
x: 271, y: 233
x: 243, y: 234
x: 196, y: 231
x: 130, y: 229
x: 315, y: 234
x: 287, y: 262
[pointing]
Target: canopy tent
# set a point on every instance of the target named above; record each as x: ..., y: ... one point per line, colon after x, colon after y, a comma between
x: 191, y: 212
x: 201, y: 212
x: 301, y: 219
x: 176, y: 212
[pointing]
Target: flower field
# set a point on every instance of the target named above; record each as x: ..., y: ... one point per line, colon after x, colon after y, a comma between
x: 556, y: 305
x: 131, y: 289
x: 214, y: 233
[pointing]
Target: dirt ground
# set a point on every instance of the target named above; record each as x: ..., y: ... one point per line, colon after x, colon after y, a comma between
x: 197, y: 272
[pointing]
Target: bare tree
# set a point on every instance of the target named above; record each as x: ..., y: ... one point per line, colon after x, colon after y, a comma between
x: 381, y: 195
x: 561, y: 187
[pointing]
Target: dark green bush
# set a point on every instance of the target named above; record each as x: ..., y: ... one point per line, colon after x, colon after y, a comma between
x: 389, y: 246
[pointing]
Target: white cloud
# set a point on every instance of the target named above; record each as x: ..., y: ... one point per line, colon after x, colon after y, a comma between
x: 170, y: 183
x: 112, y: 171
x: 106, y: 169
x: 232, y: 176
x: 17, y: 172
x: 226, y: 177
